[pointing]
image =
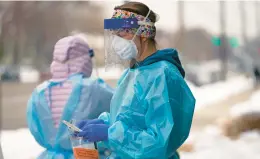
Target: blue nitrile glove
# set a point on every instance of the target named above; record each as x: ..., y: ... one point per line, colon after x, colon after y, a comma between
x: 94, y: 132
x: 83, y: 123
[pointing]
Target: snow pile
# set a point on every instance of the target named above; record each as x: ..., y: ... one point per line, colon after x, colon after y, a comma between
x: 209, y: 143
x: 220, y: 91
x: 19, y: 144
x: 252, y: 105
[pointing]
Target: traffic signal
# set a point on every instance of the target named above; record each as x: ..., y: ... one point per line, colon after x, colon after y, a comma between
x: 216, y: 41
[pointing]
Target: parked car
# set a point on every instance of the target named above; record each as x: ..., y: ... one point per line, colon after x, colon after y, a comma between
x: 203, y: 73
x: 9, y: 73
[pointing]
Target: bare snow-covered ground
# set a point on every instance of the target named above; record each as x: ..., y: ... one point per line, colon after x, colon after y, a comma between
x: 220, y: 91
x: 209, y: 143
x: 252, y: 105
x: 19, y: 144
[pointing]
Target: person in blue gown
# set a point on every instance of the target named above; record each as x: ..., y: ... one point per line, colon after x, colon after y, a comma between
x: 152, y: 108
x: 82, y: 98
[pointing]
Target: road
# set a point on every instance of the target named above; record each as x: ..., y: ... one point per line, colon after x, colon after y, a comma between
x: 14, y: 97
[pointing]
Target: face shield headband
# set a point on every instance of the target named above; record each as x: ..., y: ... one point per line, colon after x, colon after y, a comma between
x: 130, y: 22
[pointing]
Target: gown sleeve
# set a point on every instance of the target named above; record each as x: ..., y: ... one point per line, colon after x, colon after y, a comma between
x: 151, y: 142
x: 33, y: 120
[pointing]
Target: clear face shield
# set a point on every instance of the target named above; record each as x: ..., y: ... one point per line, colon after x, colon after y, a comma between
x: 120, y: 50
x: 117, y: 48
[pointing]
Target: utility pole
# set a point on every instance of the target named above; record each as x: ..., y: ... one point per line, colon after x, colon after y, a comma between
x: 180, y: 39
x: 17, y: 12
x: 243, y: 21
x: 257, y: 18
x: 223, y: 48
x: 181, y: 15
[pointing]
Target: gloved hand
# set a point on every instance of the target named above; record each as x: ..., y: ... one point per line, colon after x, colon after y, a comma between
x: 83, y: 123
x: 94, y: 132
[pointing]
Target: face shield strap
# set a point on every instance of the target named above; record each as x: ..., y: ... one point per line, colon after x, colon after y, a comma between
x: 144, y: 21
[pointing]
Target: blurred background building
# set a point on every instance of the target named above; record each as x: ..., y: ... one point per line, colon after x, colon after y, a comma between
x: 223, y: 34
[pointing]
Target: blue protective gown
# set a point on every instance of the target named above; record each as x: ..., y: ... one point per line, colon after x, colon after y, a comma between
x: 151, y: 111
x: 87, y: 100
